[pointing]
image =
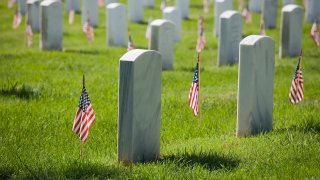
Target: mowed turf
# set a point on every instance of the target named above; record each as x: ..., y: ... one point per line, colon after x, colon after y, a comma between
x: 39, y: 94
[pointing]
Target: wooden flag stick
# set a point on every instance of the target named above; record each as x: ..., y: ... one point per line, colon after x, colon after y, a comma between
x: 83, y: 84
x: 199, y: 122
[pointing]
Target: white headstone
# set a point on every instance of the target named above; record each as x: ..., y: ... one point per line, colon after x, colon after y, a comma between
x: 34, y: 14
x: 73, y: 4
x: 149, y: 3
x: 291, y: 30
x: 173, y: 14
x: 219, y: 8
x: 269, y: 13
x: 110, y: 1
x: 90, y: 11
x: 255, y: 85
x: 255, y: 5
x: 313, y: 10
x: 230, y: 37
x: 139, y: 112
x: 162, y: 40
x: 183, y: 6
x: 51, y: 25
x: 22, y: 5
x: 116, y: 25
x: 135, y: 10
x: 286, y: 2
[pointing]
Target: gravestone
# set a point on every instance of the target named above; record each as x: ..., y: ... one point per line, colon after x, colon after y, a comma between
x: 110, y: 1
x: 148, y: 3
x: 116, y: 25
x: 230, y: 37
x: 139, y: 112
x: 135, y: 10
x: 183, y: 6
x: 162, y: 40
x: 73, y: 5
x: 291, y: 30
x: 255, y: 85
x: 51, y: 25
x: 173, y: 14
x: 34, y: 15
x: 255, y: 5
x: 313, y: 11
x: 269, y: 13
x: 219, y: 8
x: 22, y: 5
x: 286, y: 2
x: 90, y: 11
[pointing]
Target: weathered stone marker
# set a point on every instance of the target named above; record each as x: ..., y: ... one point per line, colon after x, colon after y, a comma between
x: 162, y: 40
x: 22, y: 5
x: 183, y: 6
x: 73, y: 5
x: 51, y: 25
x: 148, y: 3
x: 313, y: 11
x: 219, y: 8
x: 34, y: 14
x: 107, y: 2
x: 135, y: 10
x: 139, y: 112
x: 291, y: 30
x: 230, y: 37
x: 116, y: 25
x: 255, y: 5
x: 173, y: 14
x: 90, y: 11
x: 269, y: 13
x: 255, y: 85
x: 286, y: 2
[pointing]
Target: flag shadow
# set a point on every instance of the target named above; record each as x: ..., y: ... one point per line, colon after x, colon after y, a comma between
x: 80, y: 51
x: 85, y: 171
x: 209, y: 161
x: 23, y: 92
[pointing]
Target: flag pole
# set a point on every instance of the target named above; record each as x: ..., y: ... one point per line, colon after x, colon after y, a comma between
x: 199, y: 122
x: 81, y: 142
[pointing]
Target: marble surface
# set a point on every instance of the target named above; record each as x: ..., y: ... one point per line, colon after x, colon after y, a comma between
x: 107, y: 2
x: 33, y: 8
x: 173, y: 14
x: 139, y: 113
x: 255, y: 5
x: 148, y: 3
x: 183, y: 6
x: 286, y: 2
x: 51, y: 25
x: 291, y: 30
x: 90, y: 10
x: 219, y: 8
x: 135, y: 10
x: 117, y: 25
x: 255, y: 85
x: 269, y: 13
x: 75, y: 4
x: 22, y: 5
x: 313, y: 10
x: 230, y: 36
x: 162, y: 40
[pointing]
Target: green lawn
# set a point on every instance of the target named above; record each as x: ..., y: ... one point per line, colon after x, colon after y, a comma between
x: 39, y: 93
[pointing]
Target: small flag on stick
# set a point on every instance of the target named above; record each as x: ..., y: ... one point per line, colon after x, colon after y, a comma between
x: 315, y: 33
x: 262, y: 29
x: 100, y: 3
x: 163, y: 5
x: 29, y: 35
x: 201, y: 38
x: 296, y: 90
x: 130, y: 44
x: 85, y: 116
x: 247, y: 15
x: 11, y: 3
x: 194, y: 92
x: 205, y: 6
x: 16, y: 19
x: 71, y: 16
x: 241, y: 5
x: 88, y: 30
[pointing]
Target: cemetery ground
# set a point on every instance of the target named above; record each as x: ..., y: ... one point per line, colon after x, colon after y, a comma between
x: 39, y: 94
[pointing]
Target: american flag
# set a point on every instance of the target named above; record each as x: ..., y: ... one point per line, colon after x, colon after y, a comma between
x: 11, y: 3
x: 88, y: 30
x: 194, y: 92
x: 29, y: 35
x: 71, y: 16
x: 130, y: 44
x: 305, y: 3
x: 315, y: 33
x: 262, y: 30
x: 205, y: 6
x: 296, y: 91
x: 240, y: 5
x: 84, y: 117
x: 16, y: 19
x: 247, y: 15
x: 163, y: 4
x: 201, y: 38
x: 100, y: 3
x: 148, y: 31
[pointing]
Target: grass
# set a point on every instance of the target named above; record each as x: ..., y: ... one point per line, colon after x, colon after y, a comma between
x: 39, y: 93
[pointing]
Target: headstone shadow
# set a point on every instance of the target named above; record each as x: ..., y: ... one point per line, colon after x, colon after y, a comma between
x: 81, y: 51
x: 309, y: 126
x: 23, y: 92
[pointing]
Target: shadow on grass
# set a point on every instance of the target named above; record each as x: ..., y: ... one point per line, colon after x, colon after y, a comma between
x: 80, y: 51
x: 6, y: 173
x: 309, y: 126
x: 189, y: 69
x: 210, y: 161
x: 84, y: 171
x: 24, y: 92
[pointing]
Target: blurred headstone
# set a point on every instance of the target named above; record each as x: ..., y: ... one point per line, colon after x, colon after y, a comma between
x: 116, y: 25
x: 183, y: 6
x: 90, y: 12
x: 313, y: 11
x: 269, y: 13
x: 135, y: 10
x: 219, y: 8
x: 173, y: 14
x: 73, y: 5
x: 34, y: 14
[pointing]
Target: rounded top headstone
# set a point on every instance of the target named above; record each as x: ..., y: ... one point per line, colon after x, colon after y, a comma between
x: 113, y: 5
x: 49, y: 2
x: 253, y: 39
x: 136, y: 53
x: 159, y: 22
x: 291, y: 7
x: 32, y: 1
x: 170, y: 9
x: 229, y: 13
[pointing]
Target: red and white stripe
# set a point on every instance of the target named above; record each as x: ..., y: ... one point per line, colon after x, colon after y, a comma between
x: 88, y: 30
x: 315, y: 33
x: 11, y: 3
x: 296, y: 91
x: 205, y: 6
x: 16, y: 20
x: 71, y: 16
x: 194, y: 98
x: 29, y: 35
x: 247, y: 15
x: 100, y: 3
x: 83, y: 122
